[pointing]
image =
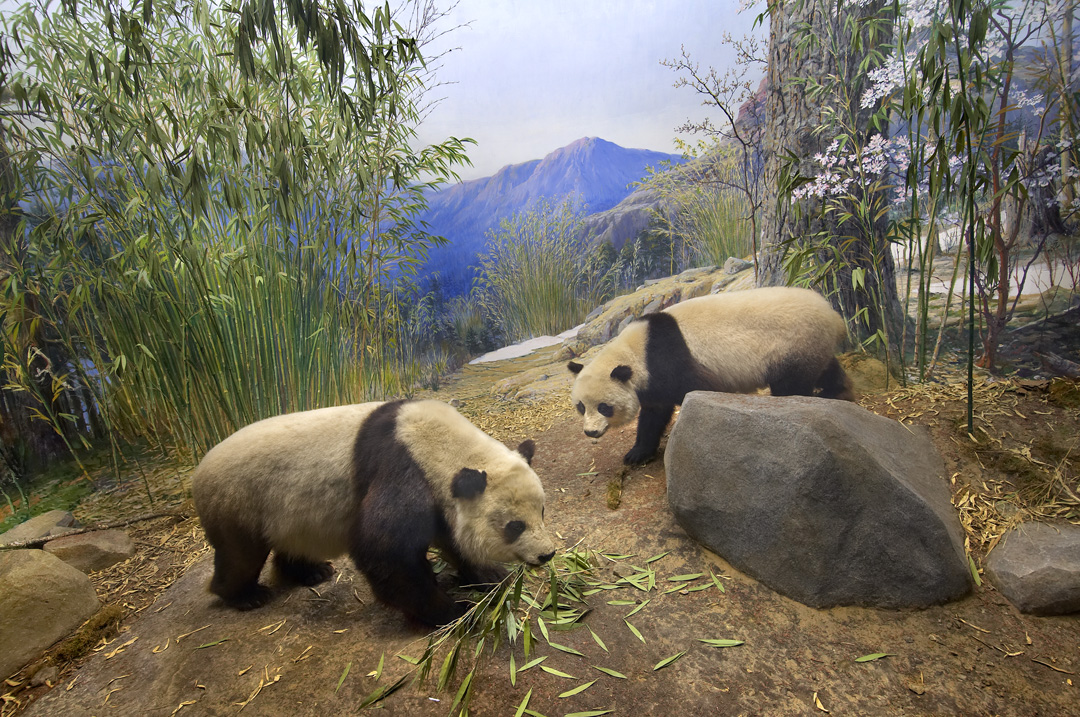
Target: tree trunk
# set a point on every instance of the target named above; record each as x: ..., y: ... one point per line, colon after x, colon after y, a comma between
x: 793, y: 122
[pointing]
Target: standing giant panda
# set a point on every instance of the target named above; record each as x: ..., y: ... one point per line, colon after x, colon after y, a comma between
x: 738, y: 342
x: 380, y: 481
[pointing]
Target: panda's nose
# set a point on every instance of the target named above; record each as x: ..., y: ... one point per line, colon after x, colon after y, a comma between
x: 545, y: 557
x: 593, y: 433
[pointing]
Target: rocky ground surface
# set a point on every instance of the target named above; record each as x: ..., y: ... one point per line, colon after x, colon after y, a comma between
x: 168, y: 648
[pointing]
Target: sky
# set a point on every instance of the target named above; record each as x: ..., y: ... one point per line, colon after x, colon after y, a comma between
x: 525, y: 77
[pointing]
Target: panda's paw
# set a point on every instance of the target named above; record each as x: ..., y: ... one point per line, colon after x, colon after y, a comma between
x: 303, y: 572
x: 314, y: 574
x: 482, y: 577
x: 638, y: 455
x: 249, y: 599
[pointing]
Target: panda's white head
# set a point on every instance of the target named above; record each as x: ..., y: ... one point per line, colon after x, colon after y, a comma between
x: 603, y: 395
x: 500, y: 511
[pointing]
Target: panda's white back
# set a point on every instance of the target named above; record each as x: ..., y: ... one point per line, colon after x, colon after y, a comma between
x: 740, y: 332
x: 290, y: 478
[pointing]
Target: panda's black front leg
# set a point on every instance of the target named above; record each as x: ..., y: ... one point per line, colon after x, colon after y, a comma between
x: 652, y: 421
x: 408, y: 583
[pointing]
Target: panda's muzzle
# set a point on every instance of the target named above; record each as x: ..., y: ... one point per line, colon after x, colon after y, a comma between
x: 541, y: 559
x: 595, y: 432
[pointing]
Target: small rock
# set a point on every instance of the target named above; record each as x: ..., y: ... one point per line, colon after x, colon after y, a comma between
x: 734, y: 265
x: 1036, y: 566
x: 93, y: 551
x: 42, y: 599
x: 40, y: 526
x: 47, y: 675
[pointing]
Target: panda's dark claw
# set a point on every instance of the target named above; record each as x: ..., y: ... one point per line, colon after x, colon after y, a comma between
x: 303, y: 572
x: 638, y: 456
x: 249, y: 599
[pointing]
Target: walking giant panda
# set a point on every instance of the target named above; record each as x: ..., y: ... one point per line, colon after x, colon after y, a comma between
x: 380, y: 481
x: 783, y: 338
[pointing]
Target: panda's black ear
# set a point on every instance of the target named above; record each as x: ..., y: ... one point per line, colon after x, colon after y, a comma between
x: 622, y: 373
x: 527, y: 449
x: 574, y: 367
x: 468, y: 483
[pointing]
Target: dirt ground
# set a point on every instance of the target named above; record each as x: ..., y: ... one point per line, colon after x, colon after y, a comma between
x: 322, y: 651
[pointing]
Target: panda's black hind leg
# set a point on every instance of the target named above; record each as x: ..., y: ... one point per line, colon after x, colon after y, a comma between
x: 301, y: 571
x: 835, y: 383
x: 238, y: 560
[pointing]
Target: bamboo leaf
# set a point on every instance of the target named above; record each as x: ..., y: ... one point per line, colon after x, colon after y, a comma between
x: 597, y: 640
x: 654, y: 558
x: 609, y: 671
x: 668, y: 660
x: 513, y: 671
x: 721, y: 643
x: 557, y: 673
x: 523, y: 705
x: 532, y: 663
x: 463, y: 691
x: 379, y: 669
x: 874, y: 656
x: 344, y: 674
x: 543, y: 629
x: 685, y: 578
x: 638, y: 608
x: 634, y: 630
x: 564, y: 648
x: 716, y: 580
x: 974, y: 571
x: 577, y: 690
x: 383, y: 692
x: 589, y: 713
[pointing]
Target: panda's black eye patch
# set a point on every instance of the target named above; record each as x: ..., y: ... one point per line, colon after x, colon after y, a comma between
x: 513, y: 530
x: 581, y: 408
x: 605, y: 410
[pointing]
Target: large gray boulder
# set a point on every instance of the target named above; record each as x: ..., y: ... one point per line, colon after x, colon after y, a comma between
x: 821, y: 500
x: 1037, y: 568
x: 42, y: 599
x: 92, y: 551
x: 51, y: 523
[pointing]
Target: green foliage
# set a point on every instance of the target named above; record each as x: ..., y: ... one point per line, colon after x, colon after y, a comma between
x: 706, y: 210
x: 207, y: 246
x: 536, y: 277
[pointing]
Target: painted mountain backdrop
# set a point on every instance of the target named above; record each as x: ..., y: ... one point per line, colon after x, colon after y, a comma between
x: 599, y: 173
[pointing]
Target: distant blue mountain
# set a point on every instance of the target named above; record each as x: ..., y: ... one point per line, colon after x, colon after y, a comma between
x: 600, y: 174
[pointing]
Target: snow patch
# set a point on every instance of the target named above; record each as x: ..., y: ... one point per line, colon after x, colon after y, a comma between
x: 526, y: 347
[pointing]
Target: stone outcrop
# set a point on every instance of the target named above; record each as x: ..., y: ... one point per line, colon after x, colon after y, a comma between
x: 1036, y: 566
x: 42, y: 599
x: 821, y: 500
x: 607, y: 320
x: 92, y: 551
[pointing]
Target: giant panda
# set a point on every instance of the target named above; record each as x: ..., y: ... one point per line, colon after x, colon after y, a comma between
x: 781, y: 338
x: 379, y: 481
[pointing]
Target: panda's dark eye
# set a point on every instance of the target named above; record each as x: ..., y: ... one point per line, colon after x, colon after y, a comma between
x: 605, y: 410
x: 581, y: 408
x: 513, y: 530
